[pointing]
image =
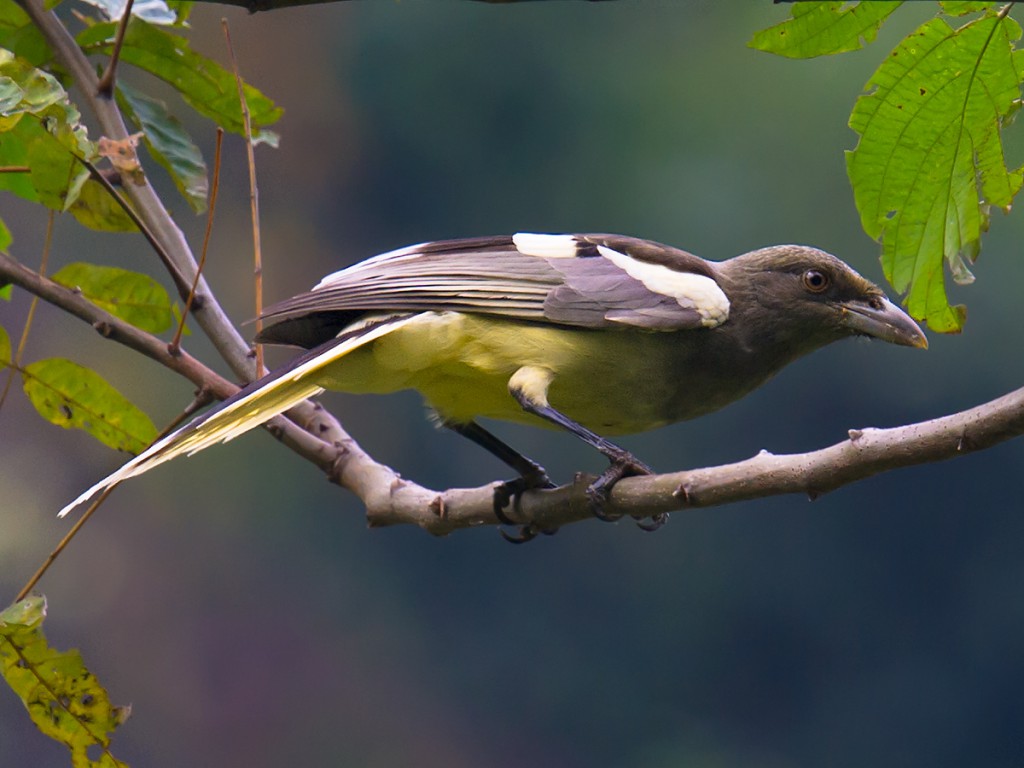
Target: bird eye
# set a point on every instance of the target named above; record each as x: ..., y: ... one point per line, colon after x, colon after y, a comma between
x: 815, y: 281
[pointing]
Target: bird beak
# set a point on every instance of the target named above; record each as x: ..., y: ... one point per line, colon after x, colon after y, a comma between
x: 886, y: 322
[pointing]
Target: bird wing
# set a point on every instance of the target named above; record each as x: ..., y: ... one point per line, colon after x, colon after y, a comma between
x: 589, y: 281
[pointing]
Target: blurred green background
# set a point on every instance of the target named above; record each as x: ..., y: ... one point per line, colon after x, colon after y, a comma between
x: 239, y: 602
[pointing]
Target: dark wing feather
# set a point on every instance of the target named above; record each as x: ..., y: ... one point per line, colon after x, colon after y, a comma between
x: 491, y: 276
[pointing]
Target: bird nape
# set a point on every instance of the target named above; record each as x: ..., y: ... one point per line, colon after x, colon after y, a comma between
x: 594, y: 334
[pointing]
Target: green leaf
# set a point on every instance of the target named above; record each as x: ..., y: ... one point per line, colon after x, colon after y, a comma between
x: 14, y: 141
x: 963, y: 7
x: 96, y: 208
x: 818, y: 29
x: 182, y: 9
x: 132, y: 296
x: 5, y: 243
x: 36, y: 91
x: 168, y: 143
x: 69, y: 395
x: 930, y: 160
x: 208, y: 87
x: 42, y: 129
x: 56, y: 175
x: 20, y: 36
x: 62, y: 696
x: 5, y: 348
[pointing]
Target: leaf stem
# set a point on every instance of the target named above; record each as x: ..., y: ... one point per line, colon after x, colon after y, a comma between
x: 52, y: 557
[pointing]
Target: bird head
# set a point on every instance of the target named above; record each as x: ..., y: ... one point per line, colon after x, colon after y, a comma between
x: 802, y: 298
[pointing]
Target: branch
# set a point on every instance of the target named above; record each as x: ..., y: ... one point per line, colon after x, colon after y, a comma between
x: 208, y: 313
x: 391, y: 500
x: 867, y: 452
x: 113, y: 328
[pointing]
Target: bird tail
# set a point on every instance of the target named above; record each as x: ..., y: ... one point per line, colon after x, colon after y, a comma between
x: 250, y: 407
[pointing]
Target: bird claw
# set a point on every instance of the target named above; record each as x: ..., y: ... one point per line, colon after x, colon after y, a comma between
x: 599, y: 493
x: 655, y: 523
x: 510, y: 492
x: 525, y: 533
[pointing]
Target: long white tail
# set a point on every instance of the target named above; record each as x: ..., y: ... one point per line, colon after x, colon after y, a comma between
x: 252, y: 406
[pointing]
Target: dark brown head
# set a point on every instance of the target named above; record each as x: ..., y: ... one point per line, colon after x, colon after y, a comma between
x: 801, y: 298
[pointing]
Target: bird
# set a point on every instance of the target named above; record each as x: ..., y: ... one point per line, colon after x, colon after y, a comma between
x: 595, y: 334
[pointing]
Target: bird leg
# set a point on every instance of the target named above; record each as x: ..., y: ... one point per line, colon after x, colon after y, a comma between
x: 529, y: 388
x: 531, y: 475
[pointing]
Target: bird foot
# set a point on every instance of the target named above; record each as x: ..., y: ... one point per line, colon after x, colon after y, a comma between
x: 599, y: 493
x: 654, y: 523
x: 525, y: 533
x: 510, y: 492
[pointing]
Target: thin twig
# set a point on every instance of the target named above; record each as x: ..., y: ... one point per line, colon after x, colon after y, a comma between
x: 15, y: 169
x: 179, y: 280
x: 254, y: 198
x: 63, y: 543
x: 201, y: 398
x: 175, y: 344
x: 22, y: 342
x: 105, y: 87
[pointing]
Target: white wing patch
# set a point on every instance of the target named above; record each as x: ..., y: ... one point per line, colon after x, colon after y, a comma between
x: 545, y: 246
x: 692, y: 291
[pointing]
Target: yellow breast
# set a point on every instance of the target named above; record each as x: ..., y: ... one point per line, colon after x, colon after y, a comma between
x: 462, y: 365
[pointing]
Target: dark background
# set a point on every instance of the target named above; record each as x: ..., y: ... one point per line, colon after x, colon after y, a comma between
x: 238, y: 601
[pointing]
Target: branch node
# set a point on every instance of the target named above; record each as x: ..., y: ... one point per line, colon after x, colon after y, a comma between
x: 965, y: 443
x: 812, y: 495
x: 438, y: 507
x: 855, y: 435
x: 337, y: 470
x: 765, y: 453
x: 684, y: 492
x: 103, y: 328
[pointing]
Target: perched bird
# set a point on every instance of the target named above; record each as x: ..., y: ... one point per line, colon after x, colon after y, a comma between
x: 593, y: 334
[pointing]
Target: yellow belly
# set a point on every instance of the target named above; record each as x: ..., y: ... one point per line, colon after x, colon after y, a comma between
x: 611, y: 381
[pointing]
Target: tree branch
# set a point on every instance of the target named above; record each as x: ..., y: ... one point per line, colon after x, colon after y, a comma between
x: 209, y: 315
x: 392, y: 500
x: 324, y: 455
x: 206, y: 310
x: 867, y: 452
